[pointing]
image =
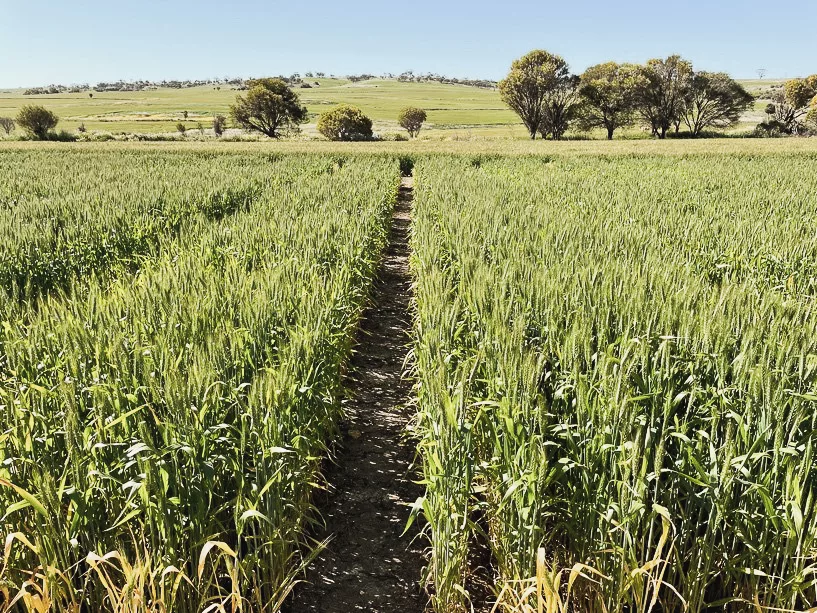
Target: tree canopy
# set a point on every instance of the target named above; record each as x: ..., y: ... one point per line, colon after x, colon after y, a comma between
x: 714, y: 100
x: 660, y: 98
x: 269, y: 107
x: 346, y: 123
x: 608, y: 94
x: 532, y: 78
x: 411, y: 119
x: 560, y: 107
x: 38, y: 121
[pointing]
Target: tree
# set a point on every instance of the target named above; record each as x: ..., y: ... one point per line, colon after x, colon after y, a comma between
x: 345, y: 122
x: 714, y: 100
x: 7, y: 125
x: 559, y: 108
x: 269, y: 108
x: 790, y: 105
x: 661, y: 96
x: 531, y: 79
x: 800, y: 92
x: 219, y: 124
x: 38, y: 121
x: 181, y: 128
x: 411, y: 119
x: 609, y: 93
x: 811, y: 116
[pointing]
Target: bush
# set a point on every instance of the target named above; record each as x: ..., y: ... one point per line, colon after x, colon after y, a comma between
x: 7, y: 125
x: 63, y: 136
x: 772, y: 128
x: 411, y: 119
x: 219, y: 124
x: 345, y: 123
x: 181, y: 128
x: 38, y: 121
x: 393, y: 137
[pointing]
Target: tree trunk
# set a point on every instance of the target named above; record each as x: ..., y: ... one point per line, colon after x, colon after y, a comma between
x: 663, y: 134
x: 610, y: 133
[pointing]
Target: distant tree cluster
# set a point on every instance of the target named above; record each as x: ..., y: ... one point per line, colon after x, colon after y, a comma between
x: 56, y: 89
x: 354, y: 78
x: 129, y: 86
x: 409, y: 77
x: 662, y: 95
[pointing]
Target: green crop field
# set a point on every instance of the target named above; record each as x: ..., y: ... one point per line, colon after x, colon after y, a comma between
x: 617, y: 370
x: 613, y: 359
x: 454, y: 111
x: 170, y: 366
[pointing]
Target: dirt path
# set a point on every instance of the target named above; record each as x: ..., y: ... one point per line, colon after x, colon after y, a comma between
x: 369, y: 565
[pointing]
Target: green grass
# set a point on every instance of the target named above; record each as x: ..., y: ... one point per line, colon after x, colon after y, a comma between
x: 454, y: 111
x: 160, y: 110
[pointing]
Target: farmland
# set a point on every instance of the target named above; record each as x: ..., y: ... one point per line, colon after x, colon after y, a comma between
x: 616, y: 377
x: 169, y: 393
x: 454, y: 111
x: 610, y: 348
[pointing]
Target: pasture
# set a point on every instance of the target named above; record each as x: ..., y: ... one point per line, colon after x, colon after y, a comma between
x: 454, y: 111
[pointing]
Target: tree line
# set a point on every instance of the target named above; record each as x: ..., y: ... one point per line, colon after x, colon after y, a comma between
x: 272, y: 108
x: 662, y: 95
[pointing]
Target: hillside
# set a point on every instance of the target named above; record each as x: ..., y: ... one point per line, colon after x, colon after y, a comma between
x: 454, y: 111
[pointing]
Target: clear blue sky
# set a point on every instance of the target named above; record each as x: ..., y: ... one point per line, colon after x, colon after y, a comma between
x: 65, y: 41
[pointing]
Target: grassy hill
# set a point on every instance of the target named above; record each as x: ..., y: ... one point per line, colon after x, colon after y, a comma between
x: 454, y: 111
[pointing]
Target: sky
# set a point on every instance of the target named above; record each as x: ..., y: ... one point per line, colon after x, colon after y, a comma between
x: 87, y: 41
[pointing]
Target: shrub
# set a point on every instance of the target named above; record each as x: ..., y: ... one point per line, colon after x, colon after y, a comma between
x: 411, y: 119
x: 63, y: 136
x: 393, y: 136
x: 771, y: 128
x: 219, y: 124
x: 181, y: 128
x: 345, y: 123
x: 7, y: 125
x: 38, y: 121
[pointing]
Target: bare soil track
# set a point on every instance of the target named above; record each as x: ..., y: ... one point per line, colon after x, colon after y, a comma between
x: 370, y: 565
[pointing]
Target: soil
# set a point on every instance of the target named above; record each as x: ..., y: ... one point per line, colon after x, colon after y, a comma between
x: 370, y: 565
